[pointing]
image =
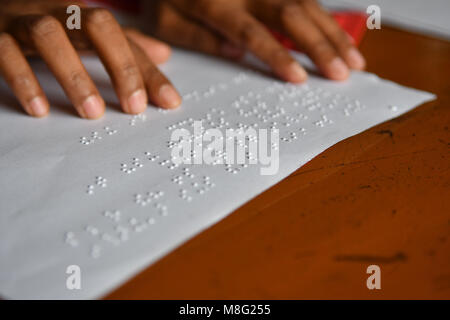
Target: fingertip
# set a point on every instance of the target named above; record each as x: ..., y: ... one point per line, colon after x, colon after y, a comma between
x: 92, y: 108
x: 169, y: 97
x: 159, y: 53
x: 355, y: 59
x: 137, y: 102
x: 337, y: 70
x: 294, y: 73
x: 38, y: 107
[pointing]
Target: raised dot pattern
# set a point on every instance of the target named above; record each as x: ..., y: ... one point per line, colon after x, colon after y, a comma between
x: 294, y: 110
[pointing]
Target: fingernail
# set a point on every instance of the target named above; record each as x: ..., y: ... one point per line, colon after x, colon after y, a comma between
x: 295, y: 73
x: 38, y: 106
x: 338, y: 69
x: 356, y: 59
x: 168, y: 95
x: 92, y: 107
x: 231, y: 51
x: 137, y: 102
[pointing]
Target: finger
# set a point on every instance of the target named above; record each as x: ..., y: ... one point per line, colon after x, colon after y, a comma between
x: 241, y: 28
x: 47, y: 36
x: 304, y: 32
x: 19, y: 76
x: 113, y: 49
x: 172, y: 24
x: 335, y: 34
x: 156, y: 50
x: 160, y: 90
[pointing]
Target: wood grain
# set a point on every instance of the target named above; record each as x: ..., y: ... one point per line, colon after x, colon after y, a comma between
x: 381, y: 197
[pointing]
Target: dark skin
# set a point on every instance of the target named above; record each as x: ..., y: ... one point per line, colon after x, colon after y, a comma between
x: 224, y: 28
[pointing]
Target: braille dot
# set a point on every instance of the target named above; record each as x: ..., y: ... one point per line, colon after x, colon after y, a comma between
x: 92, y: 230
x: 95, y: 251
x: 393, y: 108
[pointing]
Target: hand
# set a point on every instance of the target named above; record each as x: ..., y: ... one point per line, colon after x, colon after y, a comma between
x: 227, y: 27
x: 39, y: 27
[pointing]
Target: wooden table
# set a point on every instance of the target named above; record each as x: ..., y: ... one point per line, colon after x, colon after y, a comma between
x: 381, y: 197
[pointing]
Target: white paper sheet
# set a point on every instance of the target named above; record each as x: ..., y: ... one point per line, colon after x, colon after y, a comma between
x: 57, y: 209
x: 430, y: 17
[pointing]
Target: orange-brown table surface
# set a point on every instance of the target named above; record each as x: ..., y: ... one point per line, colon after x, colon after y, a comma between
x: 381, y: 197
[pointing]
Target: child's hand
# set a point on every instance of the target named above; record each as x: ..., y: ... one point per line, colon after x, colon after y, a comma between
x: 39, y: 27
x: 226, y: 27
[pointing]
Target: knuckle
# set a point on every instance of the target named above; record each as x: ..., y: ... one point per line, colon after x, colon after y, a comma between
x: 129, y: 69
x: 154, y: 78
x: 22, y: 81
x: 99, y: 16
x: 281, y: 56
x: 290, y: 11
x: 321, y: 47
x: 44, y: 26
x: 340, y: 37
x: 248, y: 32
x: 77, y: 77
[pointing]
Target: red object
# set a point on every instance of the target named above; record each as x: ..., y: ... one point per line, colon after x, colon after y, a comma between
x: 354, y: 23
